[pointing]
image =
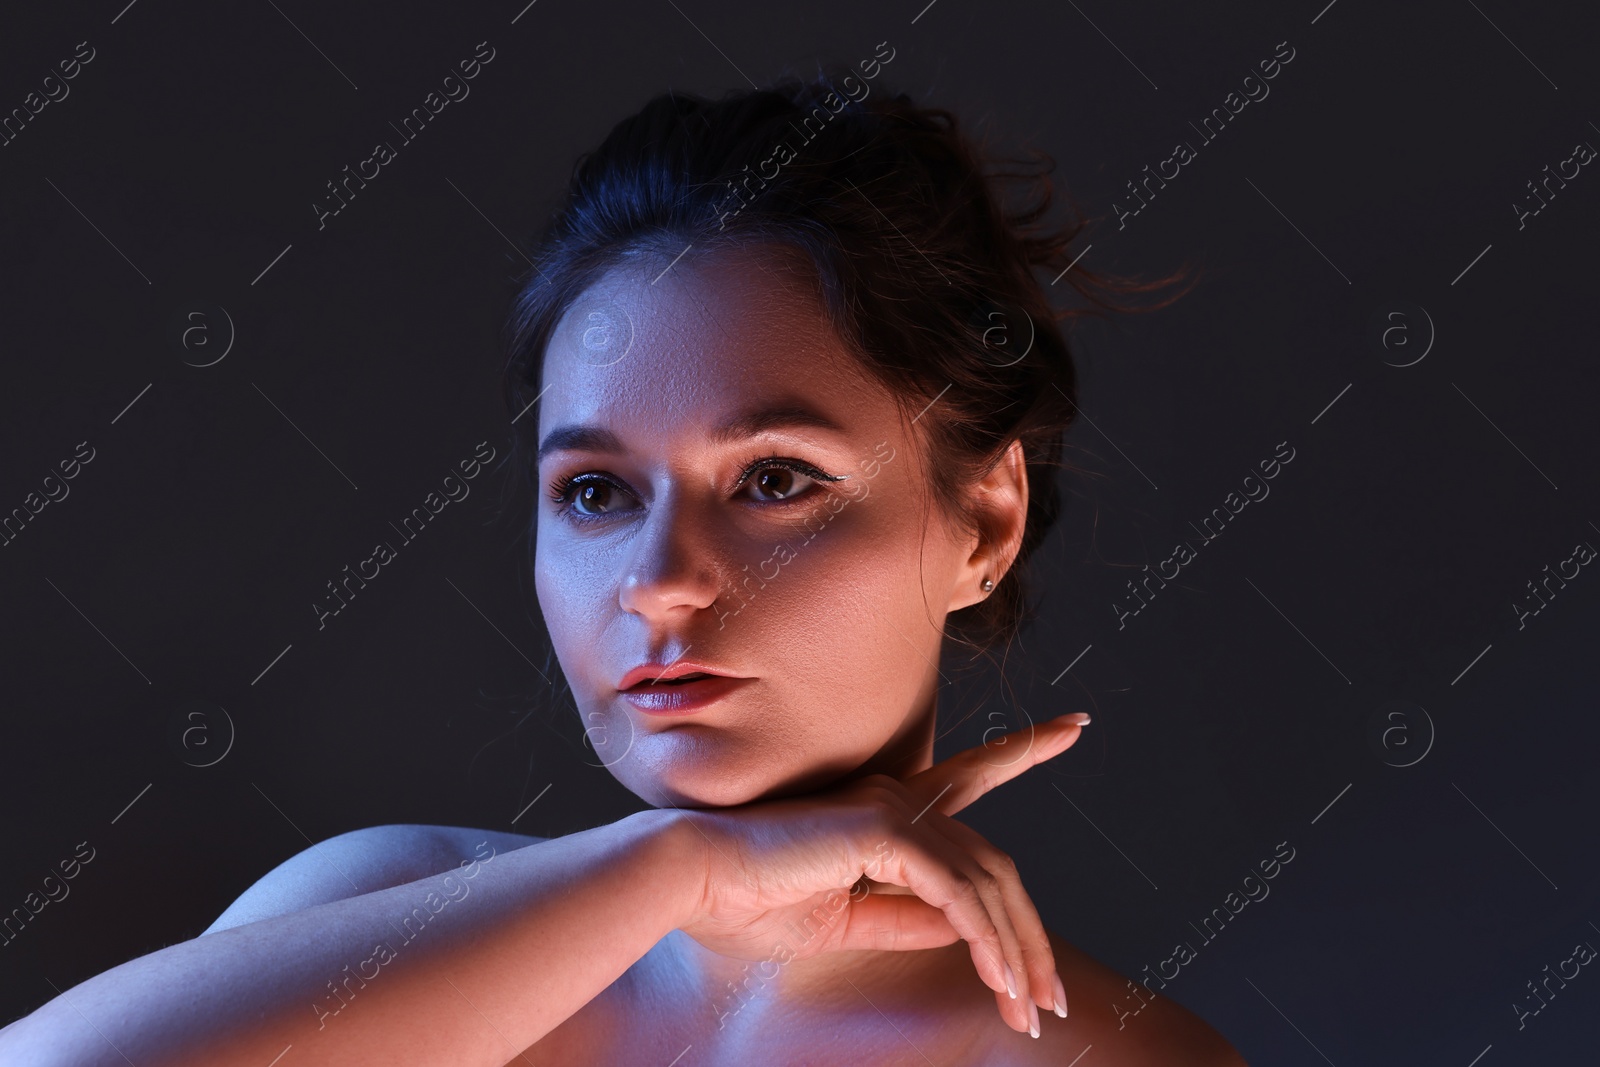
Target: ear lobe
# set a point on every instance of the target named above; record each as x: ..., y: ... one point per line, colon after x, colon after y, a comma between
x: 1001, y: 499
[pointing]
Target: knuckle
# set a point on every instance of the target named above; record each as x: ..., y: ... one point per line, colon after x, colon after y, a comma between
x: 878, y: 820
x: 879, y: 781
x: 1003, y: 866
x: 882, y: 815
x: 969, y: 894
x: 876, y: 791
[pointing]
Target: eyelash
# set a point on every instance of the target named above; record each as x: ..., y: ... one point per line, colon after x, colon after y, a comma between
x: 564, y: 488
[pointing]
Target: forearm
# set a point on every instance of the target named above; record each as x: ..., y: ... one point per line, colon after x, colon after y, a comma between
x: 463, y: 976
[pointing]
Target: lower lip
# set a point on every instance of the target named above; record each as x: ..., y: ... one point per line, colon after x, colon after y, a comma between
x: 683, y: 698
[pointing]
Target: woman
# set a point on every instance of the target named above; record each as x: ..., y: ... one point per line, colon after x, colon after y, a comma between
x: 793, y: 400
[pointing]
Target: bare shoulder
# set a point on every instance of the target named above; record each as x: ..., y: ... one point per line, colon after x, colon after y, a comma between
x: 359, y: 861
x: 1124, y: 1028
x: 1144, y: 1028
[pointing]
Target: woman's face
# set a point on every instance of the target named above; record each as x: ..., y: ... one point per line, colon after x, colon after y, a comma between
x: 697, y: 528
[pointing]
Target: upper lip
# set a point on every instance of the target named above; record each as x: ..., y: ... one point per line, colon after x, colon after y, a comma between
x: 656, y: 672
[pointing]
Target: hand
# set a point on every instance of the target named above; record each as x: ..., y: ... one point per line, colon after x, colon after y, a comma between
x: 772, y: 863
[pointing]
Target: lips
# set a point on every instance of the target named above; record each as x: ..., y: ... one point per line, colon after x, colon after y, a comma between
x: 682, y: 696
x: 678, y: 672
x: 677, y: 688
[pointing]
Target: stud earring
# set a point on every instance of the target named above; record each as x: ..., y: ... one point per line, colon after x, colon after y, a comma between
x: 987, y: 585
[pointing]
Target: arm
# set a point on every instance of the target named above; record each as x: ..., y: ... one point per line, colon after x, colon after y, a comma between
x: 476, y: 965
x: 362, y: 861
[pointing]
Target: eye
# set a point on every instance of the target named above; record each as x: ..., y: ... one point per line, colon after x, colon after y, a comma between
x: 595, y: 497
x: 587, y: 496
x: 777, y: 480
x: 778, y: 483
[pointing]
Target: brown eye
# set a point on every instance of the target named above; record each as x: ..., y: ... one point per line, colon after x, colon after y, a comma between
x: 778, y: 483
x: 778, y: 480
x: 587, y: 497
x: 592, y: 498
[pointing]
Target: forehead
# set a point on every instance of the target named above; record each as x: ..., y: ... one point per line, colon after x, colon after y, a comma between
x: 674, y: 345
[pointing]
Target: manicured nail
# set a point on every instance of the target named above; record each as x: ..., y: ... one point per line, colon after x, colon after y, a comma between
x: 1061, y: 998
x: 1011, y: 982
x: 1079, y: 717
x: 1033, y: 1019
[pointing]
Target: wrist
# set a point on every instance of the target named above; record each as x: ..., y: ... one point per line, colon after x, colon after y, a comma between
x: 679, y: 852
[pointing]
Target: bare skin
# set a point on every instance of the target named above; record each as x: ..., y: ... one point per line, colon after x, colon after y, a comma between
x: 617, y: 944
x: 614, y: 972
x: 673, y: 531
x: 935, y: 1008
x: 653, y: 523
x: 854, y: 1005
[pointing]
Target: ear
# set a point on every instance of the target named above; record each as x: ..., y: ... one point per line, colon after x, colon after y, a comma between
x: 1001, y: 501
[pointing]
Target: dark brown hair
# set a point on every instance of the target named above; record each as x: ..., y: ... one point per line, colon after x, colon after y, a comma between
x: 924, y: 276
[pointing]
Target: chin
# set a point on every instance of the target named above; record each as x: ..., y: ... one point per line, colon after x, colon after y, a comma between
x: 676, y: 779
x: 703, y: 786
x: 695, y: 792
x: 686, y: 773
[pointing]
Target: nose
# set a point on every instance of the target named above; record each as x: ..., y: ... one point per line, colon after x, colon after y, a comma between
x: 670, y: 573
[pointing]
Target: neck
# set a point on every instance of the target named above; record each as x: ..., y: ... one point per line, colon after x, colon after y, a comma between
x: 785, y: 977
x: 767, y: 990
x: 908, y: 752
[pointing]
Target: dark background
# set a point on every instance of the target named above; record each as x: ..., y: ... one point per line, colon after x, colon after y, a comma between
x: 1243, y: 708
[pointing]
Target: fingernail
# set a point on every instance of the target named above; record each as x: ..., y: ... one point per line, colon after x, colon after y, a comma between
x: 1011, y: 982
x: 1061, y: 998
x: 1033, y: 1019
x: 1079, y: 717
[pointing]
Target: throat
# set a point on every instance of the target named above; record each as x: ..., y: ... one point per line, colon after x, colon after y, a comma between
x: 777, y: 983
x: 839, y: 1007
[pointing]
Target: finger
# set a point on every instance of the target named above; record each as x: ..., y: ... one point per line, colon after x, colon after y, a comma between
x: 893, y: 923
x: 1039, y: 957
x: 990, y: 869
x: 952, y: 784
x: 931, y: 867
x: 1016, y: 1009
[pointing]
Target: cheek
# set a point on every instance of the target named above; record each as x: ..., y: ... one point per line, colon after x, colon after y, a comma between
x: 849, y: 603
x: 546, y: 582
x: 567, y: 586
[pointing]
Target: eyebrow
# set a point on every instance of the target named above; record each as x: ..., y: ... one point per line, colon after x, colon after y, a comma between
x: 742, y: 425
